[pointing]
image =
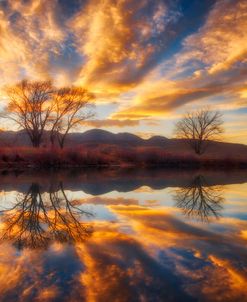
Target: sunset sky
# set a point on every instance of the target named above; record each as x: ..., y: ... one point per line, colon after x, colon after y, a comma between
x: 146, y: 61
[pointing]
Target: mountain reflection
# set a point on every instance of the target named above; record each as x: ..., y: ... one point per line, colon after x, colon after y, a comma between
x: 198, y: 200
x: 38, y: 219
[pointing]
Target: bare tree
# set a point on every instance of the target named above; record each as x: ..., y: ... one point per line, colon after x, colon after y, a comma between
x: 199, y: 128
x: 30, y: 107
x: 36, y: 106
x: 72, y: 105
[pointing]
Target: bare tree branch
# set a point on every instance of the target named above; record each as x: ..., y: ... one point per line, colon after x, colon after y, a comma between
x: 199, y: 127
x: 30, y: 107
x: 72, y: 105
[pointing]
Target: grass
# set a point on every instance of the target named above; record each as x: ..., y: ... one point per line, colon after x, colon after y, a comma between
x: 108, y: 155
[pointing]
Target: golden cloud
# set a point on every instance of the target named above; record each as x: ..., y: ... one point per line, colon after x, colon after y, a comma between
x: 116, y: 43
x: 163, y: 101
x: 222, y: 40
x: 106, y: 54
x: 29, y: 33
x: 111, y: 123
x: 212, y: 54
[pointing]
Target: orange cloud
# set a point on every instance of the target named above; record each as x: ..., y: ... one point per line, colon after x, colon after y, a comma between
x: 162, y: 105
x: 211, y: 64
x: 222, y: 40
x: 27, y: 43
x: 111, y: 123
x: 119, y: 46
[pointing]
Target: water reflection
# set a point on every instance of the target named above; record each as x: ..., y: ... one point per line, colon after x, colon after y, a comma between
x: 198, y: 200
x: 103, y: 181
x: 36, y: 219
x: 135, y: 247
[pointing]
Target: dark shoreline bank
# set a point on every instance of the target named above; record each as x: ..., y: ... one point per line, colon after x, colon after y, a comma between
x: 169, y: 164
x: 110, y: 156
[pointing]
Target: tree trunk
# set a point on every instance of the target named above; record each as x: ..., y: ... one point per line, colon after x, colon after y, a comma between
x: 52, y: 139
x: 62, y: 143
x: 61, y: 139
x: 36, y: 140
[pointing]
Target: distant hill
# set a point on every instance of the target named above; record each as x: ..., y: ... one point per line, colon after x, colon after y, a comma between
x: 98, y: 137
x: 94, y: 136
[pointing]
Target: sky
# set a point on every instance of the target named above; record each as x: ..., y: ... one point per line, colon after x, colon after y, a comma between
x: 147, y: 62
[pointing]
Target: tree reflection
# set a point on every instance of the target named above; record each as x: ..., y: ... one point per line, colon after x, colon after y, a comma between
x: 199, y: 200
x: 37, y: 219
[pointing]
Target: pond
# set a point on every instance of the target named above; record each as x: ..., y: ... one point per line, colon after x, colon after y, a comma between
x: 123, y: 235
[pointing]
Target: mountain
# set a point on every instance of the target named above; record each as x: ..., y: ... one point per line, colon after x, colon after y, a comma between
x: 98, y: 136
x: 14, y: 138
x: 94, y: 136
x: 157, y: 140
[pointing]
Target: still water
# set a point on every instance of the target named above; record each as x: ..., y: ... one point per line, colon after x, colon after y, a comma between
x: 123, y: 235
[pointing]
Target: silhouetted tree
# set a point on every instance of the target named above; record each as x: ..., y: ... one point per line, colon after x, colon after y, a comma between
x: 199, y: 127
x: 37, y: 219
x: 71, y: 107
x: 199, y: 200
x: 39, y: 106
x: 30, y: 107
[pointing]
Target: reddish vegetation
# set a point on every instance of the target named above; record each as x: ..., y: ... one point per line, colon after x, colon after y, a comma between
x: 109, y: 155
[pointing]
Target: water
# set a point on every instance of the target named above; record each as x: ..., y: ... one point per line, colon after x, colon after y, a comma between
x: 123, y: 235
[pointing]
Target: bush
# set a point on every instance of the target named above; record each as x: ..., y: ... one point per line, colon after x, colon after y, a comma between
x: 110, y: 155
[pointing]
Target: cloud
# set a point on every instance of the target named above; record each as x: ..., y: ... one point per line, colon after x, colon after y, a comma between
x: 30, y: 33
x: 108, y: 46
x: 186, y: 92
x: 120, y: 40
x: 212, y: 63
x: 163, y: 104
x: 111, y: 123
x: 222, y: 41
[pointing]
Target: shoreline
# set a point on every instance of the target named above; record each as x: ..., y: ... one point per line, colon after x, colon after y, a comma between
x: 168, y: 164
x: 172, y: 165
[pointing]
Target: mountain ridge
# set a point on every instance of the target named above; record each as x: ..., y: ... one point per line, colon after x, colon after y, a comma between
x: 20, y: 138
